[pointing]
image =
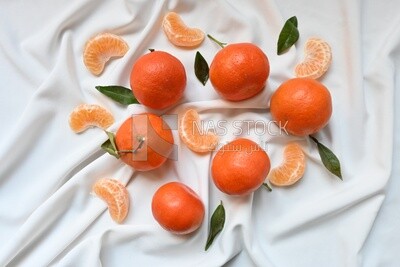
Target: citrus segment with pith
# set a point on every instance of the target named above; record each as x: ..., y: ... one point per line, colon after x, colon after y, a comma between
x: 292, y: 167
x: 100, y: 49
x: 87, y: 115
x: 192, y: 134
x: 114, y: 193
x: 317, y: 59
x: 178, y: 33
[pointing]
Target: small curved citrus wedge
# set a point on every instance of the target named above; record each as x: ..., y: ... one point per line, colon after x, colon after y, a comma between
x: 179, y: 34
x: 291, y: 169
x: 114, y: 193
x: 193, y: 136
x: 317, y: 59
x: 100, y: 49
x: 86, y: 115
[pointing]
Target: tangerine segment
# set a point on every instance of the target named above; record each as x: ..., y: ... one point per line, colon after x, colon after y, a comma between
x: 193, y: 136
x: 116, y: 196
x: 291, y: 169
x: 179, y: 34
x: 100, y: 49
x: 86, y: 115
x: 318, y: 58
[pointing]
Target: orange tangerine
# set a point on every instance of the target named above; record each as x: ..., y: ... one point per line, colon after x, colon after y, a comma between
x: 292, y: 167
x: 114, y: 193
x: 177, y: 208
x: 144, y: 141
x: 100, y: 49
x: 158, y: 80
x: 239, y: 71
x: 178, y: 33
x: 317, y: 59
x: 303, y: 106
x: 240, y: 167
x: 86, y: 115
x: 192, y: 135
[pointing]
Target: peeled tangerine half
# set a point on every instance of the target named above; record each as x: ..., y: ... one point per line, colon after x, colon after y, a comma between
x: 86, y: 115
x: 100, y: 49
x: 114, y: 193
x: 292, y: 167
x: 192, y: 134
x: 317, y: 59
x: 179, y: 34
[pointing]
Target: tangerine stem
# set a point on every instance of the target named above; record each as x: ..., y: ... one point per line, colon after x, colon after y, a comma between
x: 141, y: 142
x: 221, y: 44
x: 314, y: 139
x: 266, y: 185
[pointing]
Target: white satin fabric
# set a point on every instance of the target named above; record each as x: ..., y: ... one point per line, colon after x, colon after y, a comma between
x: 48, y: 216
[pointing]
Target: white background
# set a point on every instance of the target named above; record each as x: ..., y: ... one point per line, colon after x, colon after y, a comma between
x: 49, y: 217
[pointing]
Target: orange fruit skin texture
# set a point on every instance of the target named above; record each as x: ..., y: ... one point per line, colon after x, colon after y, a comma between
x: 158, y: 80
x: 157, y: 145
x: 177, y: 208
x: 239, y: 71
x: 303, y: 104
x: 240, y: 167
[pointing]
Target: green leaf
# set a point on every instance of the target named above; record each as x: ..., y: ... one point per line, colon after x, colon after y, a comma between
x: 329, y: 159
x: 109, y: 145
x: 119, y: 94
x: 216, y: 224
x: 267, y: 186
x: 288, y: 36
x: 201, y: 68
x: 293, y: 20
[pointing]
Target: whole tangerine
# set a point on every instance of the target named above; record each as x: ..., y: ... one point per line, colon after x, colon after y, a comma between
x: 239, y: 71
x: 302, y: 106
x: 144, y: 141
x: 158, y: 80
x: 177, y: 208
x: 240, y: 167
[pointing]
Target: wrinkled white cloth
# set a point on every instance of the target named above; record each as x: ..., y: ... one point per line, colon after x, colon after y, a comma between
x: 48, y: 216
